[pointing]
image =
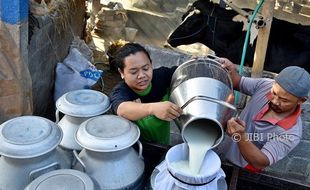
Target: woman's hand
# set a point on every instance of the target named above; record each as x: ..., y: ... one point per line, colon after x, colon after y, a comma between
x: 165, y: 110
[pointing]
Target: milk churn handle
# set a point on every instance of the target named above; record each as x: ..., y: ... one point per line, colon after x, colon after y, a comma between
x: 214, y: 58
x: 39, y: 171
x: 210, y: 56
x: 208, y: 99
x: 79, y: 160
x: 57, y: 116
x: 140, y: 150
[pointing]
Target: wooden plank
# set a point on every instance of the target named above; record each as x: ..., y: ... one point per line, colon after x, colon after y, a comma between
x: 302, y: 18
x: 262, y: 39
x: 15, y: 79
x: 234, y: 178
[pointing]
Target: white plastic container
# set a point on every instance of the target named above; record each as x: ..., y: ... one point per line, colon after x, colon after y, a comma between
x: 211, y: 176
x: 130, y: 33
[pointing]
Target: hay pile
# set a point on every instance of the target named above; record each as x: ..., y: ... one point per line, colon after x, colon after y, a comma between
x: 58, y: 10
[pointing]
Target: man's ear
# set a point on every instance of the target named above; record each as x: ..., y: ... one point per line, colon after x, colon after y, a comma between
x: 303, y: 99
x: 121, y: 73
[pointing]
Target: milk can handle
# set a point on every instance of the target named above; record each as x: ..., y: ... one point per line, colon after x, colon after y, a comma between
x: 214, y: 58
x: 42, y: 170
x: 79, y: 160
x: 57, y: 116
x: 210, y: 56
x: 209, y: 99
x: 140, y: 149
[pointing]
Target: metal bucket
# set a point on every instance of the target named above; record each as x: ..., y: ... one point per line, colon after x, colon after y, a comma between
x: 204, y: 90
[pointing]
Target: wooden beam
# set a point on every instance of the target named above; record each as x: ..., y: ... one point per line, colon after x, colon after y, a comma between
x: 302, y: 18
x: 262, y: 39
x: 15, y: 79
x: 234, y: 178
x: 237, y: 9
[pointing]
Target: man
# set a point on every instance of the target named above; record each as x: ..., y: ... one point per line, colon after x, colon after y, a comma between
x: 270, y: 126
x: 143, y: 95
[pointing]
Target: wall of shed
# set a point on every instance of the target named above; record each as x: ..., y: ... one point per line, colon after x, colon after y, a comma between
x: 15, y: 80
x: 49, y: 45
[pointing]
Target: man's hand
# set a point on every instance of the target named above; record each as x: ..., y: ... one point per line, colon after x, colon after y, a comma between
x: 236, y: 129
x: 253, y: 155
x: 227, y: 64
x: 166, y: 110
x: 232, y: 70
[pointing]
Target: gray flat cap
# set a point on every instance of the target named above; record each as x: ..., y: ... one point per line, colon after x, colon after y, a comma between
x: 294, y: 80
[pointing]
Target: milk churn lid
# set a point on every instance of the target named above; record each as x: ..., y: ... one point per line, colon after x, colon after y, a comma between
x: 107, y: 133
x: 63, y: 179
x: 83, y: 103
x: 28, y: 137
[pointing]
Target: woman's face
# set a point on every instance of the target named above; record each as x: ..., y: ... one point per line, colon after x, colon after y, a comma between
x: 138, y: 71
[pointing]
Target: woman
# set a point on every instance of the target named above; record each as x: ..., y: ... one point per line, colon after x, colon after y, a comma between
x: 143, y: 94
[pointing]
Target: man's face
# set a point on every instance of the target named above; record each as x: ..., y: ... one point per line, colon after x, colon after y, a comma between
x: 282, y: 101
x: 138, y: 71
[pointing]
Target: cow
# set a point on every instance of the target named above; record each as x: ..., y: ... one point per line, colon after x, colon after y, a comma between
x: 212, y: 25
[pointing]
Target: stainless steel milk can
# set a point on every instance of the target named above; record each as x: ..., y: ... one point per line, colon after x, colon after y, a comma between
x: 108, y: 155
x: 28, y: 149
x: 203, y: 89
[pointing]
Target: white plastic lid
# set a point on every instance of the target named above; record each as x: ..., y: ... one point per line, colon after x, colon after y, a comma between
x: 62, y: 179
x: 28, y: 137
x: 107, y: 133
x: 83, y: 103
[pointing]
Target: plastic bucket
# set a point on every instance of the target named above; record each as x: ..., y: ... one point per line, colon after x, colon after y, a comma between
x: 130, y: 33
x: 208, y: 172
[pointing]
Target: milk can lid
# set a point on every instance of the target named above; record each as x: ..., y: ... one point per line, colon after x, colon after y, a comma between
x: 83, y: 103
x: 28, y: 137
x: 62, y: 179
x: 107, y: 133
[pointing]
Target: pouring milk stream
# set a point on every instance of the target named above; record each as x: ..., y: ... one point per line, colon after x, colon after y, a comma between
x: 204, y: 91
x: 200, y: 139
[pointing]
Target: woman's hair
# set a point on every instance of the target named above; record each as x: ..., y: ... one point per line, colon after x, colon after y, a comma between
x: 125, y: 51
